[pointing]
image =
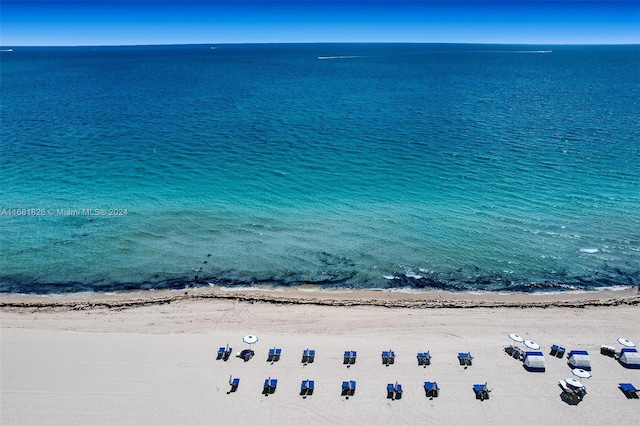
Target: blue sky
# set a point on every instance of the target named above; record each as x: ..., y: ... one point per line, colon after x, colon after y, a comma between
x: 90, y: 22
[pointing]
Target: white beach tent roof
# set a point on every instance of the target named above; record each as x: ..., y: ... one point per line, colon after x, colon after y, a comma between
x: 534, y: 361
x: 629, y: 358
x: 580, y: 359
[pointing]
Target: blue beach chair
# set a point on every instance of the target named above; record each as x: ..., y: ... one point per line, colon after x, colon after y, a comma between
x: 221, y: 352
x: 431, y: 389
x: 398, y: 391
x: 390, y: 390
x: 276, y: 356
x: 465, y: 358
x: 312, y: 355
x: 234, y: 384
x: 629, y: 390
x: 482, y: 392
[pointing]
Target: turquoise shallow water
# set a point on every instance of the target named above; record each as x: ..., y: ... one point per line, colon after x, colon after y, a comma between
x: 461, y: 167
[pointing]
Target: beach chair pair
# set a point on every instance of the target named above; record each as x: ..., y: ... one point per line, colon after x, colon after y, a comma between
x: 431, y: 389
x: 308, y: 355
x: 629, y: 390
x: 465, y: 358
x: 424, y: 358
x: 609, y: 351
x: 274, y: 355
x: 224, y: 353
x: 481, y: 391
x: 307, y: 387
x: 388, y: 357
x: 349, y: 358
x: 348, y: 388
x: 235, y: 382
x: 269, y: 386
x: 557, y: 351
x: 394, y: 391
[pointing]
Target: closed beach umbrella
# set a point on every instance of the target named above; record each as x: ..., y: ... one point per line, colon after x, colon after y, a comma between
x: 250, y: 339
x: 626, y: 342
x: 531, y: 344
x: 583, y: 374
x: 516, y: 338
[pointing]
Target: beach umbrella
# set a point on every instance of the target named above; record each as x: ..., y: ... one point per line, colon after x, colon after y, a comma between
x: 626, y: 342
x: 250, y: 339
x: 531, y: 344
x: 574, y: 383
x: 583, y: 374
x: 516, y: 338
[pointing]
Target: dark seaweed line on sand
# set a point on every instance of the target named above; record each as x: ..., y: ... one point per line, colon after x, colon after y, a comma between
x: 114, y: 304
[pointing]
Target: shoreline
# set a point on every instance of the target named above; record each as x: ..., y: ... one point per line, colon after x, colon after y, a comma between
x: 314, y: 296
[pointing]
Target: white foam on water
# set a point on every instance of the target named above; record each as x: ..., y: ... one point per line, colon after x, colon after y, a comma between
x: 339, y: 57
x: 589, y: 250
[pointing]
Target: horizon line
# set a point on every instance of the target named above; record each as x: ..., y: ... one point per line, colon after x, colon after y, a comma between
x: 8, y: 46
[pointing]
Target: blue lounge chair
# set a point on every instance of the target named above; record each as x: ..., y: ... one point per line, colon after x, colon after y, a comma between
x: 385, y: 358
x: 345, y: 388
x: 352, y: 387
x: 398, y: 391
x: 554, y: 350
x: 352, y: 360
x: 424, y: 358
x: 234, y: 384
x: 465, y: 358
x: 221, y: 352
x: 561, y: 351
x: 347, y: 356
x: 482, y: 392
x: 276, y: 356
x: 269, y: 386
x: 431, y: 389
x: 227, y: 354
x: 304, y: 387
x: 390, y: 390
x: 312, y: 355
x: 272, y: 354
x: 629, y: 390
x: 305, y: 356
x: 310, y: 387
x: 392, y: 357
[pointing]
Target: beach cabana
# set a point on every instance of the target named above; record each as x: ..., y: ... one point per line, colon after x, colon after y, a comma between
x: 534, y: 361
x: 629, y: 358
x: 579, y: 359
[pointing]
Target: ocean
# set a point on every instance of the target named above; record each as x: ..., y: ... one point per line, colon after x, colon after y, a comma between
x: 459, y: 167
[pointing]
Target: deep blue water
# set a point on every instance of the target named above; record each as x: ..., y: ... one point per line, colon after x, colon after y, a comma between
x: 459, y: 167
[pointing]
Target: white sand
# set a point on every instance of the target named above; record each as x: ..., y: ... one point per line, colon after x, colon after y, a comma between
x: 155, y: 364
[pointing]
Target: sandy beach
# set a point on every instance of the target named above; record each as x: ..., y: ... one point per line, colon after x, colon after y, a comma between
x: 150, y: 357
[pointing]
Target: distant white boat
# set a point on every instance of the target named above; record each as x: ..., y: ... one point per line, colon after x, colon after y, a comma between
x: 6, y: 50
